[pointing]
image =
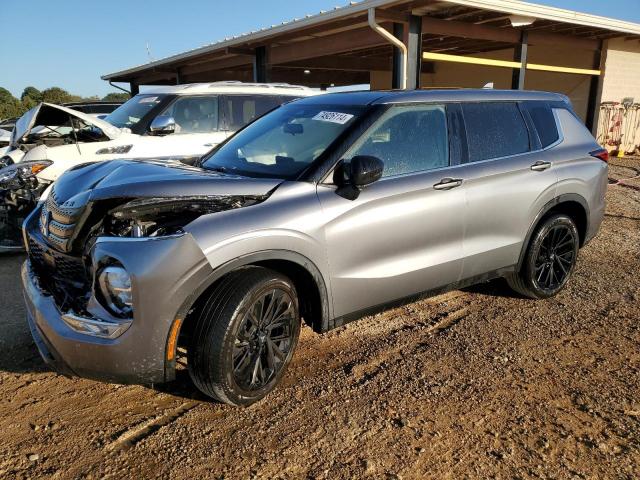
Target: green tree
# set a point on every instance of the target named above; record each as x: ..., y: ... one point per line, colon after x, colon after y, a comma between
x: 116, y: 97
x: 28, y: 103
x: 31, y: 93
x: 10, y: 106
x: 57, y: 95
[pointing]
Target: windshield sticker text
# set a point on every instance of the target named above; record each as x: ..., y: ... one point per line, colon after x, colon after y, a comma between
x: 333, y: 117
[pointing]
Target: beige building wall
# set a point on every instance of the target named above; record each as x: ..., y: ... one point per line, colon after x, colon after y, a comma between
x: 622, y: 71
x: 449, y: 74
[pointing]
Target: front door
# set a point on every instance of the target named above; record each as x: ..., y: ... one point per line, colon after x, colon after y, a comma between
x: 403, y: 234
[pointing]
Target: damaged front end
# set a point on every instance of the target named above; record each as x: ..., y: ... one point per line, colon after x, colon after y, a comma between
x: 61, y: 237
x: 138, y: 206
x: 20, y: 191
x: 159, y: 216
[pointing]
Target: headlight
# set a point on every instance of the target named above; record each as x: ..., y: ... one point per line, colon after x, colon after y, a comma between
x: 122, y: 149
x: 115, y: 286
x: 12, y: 177
x: 8, y: 174
x: 6, y: 161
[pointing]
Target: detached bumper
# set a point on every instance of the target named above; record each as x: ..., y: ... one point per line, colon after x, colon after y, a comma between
x: 160, y: 292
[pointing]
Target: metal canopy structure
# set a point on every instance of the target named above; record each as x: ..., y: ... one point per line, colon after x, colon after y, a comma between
x: 342, y: 46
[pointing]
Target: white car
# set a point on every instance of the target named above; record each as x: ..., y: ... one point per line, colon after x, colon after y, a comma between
x: 171, y: 121
x: 166, y: 122
x: 5, y: 138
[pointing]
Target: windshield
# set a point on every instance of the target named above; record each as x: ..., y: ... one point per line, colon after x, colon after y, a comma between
x: 131, y: 112
x: 284, y: 142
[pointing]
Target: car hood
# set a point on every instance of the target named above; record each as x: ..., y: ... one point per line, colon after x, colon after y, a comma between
x: 151, y: 179
x: 50, y: 114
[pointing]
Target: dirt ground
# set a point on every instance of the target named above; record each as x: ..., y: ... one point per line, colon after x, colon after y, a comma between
x: 470, y: 384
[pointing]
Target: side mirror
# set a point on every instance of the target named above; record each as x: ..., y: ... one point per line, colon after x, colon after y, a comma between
x: 350, y: 178
x: 365, y: 170
x: 162, y: 125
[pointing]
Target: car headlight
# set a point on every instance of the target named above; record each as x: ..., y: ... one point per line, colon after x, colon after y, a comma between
x: 13, y: 176
x: 119, y: 150
x: 115, y: 286
x: 8, y: 175
x: 6, y: 161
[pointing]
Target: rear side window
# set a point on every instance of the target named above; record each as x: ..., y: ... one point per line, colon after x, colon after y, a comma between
x: 242, y: 109
x: 544, y: 121
x: 494, y: 129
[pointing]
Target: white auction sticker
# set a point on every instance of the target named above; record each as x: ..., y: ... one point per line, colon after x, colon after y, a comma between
x: 333, y: 117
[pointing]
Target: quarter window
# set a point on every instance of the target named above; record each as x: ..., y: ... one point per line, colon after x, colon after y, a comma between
x: 544, y: 121
x: 494, y: 129
x: 407, y: 139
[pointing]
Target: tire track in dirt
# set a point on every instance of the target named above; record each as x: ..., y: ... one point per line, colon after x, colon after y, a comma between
x: 138, y: 432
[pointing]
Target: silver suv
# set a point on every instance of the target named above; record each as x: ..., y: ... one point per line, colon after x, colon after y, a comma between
x: 324, y: 210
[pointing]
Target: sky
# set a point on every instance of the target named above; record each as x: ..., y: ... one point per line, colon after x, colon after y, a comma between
x: 71, y: 44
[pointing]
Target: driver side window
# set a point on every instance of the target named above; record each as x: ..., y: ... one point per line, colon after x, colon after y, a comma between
x: 194, y: 114
x: 407, y: 139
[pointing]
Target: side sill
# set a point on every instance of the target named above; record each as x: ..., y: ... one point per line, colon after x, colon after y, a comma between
x: 485, y: 277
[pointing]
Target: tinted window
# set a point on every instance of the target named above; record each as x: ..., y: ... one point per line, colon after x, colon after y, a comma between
x: 494, y: 129
x: 97, y: 108
x: 544, y: 122
x: 407, y: 139
x: 194, y: 114
x: 242, y: 109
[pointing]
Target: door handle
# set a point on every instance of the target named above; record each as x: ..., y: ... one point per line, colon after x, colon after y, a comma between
x: 539, y: 166
x: 448, y: 183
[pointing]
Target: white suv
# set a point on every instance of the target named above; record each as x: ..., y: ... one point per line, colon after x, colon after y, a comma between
x: 167, y: 122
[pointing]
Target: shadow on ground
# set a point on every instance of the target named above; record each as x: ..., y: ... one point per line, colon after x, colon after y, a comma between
x: 493, y: 288
x: 18, y: 353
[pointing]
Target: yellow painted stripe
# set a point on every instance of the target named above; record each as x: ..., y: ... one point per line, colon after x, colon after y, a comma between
x: 443, y: 57
x: 552, y: 68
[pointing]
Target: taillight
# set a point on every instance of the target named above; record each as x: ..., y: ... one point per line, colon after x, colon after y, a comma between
x: 601, y: 153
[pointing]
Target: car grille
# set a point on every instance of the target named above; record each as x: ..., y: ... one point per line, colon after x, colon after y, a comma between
x: 57, y: 222
x: 64, y: 277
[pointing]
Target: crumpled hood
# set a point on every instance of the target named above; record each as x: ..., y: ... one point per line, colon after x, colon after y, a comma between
x: 50, y: 114
x: 146, y: 178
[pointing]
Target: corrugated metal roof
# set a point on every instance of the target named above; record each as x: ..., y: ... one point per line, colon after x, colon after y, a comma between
x: 513, y: 7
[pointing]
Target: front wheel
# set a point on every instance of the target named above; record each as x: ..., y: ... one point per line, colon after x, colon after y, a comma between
x: 244, y: 336
x: 549, y: 260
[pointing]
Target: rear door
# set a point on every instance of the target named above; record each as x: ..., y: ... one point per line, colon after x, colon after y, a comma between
x: 403, y: 234
x: 508, y: 179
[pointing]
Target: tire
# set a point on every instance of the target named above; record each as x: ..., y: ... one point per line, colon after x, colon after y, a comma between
x: 235, y: 354
x: 549, y: 259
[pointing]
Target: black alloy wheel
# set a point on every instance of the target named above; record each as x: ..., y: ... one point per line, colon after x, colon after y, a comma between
x: 549, y: 259
x: 555, y: 259
x: 243, y: 335
x: 264, y: 339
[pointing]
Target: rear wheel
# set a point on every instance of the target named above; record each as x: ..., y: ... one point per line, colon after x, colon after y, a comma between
x: 244, y: 336
x: 549, y: 260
